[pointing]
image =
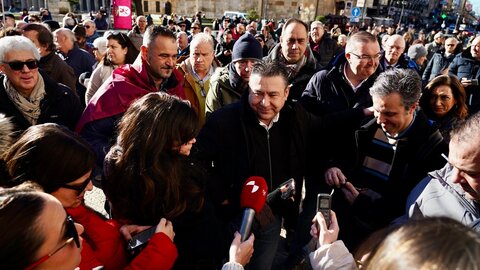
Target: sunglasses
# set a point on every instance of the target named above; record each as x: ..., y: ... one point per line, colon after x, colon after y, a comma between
x: 117, y: 34
x: 195, y: 27
x: 32, y: 20
x: 72, y: 236
x: 78, y: 188
x: 18, y: 65
x: 87, y: 26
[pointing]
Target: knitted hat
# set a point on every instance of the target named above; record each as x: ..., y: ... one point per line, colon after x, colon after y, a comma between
x: 247, y: 47
x: 416, y: 51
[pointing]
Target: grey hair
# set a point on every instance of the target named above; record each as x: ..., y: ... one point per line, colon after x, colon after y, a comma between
x: 17, y: 43
x: 199, y: 39
x: 67, y: 32
x: 181, y: 33
x: 88, y: 21
x: 359, y: 37
x: 271, y: 69
x: 67, y: 21
x: 405, y: 82
x: 467, y: 130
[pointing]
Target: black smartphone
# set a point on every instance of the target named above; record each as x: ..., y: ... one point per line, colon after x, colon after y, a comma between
x: 324, y: 204
x: 141, y: 238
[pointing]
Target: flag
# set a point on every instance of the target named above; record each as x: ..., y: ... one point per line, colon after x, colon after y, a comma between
x: 122, y: 14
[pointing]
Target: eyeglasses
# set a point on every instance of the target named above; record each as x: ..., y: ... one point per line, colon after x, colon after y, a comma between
x: 71, y: 235
x: 18, y: 65
x: 78, y: 188
x: 87, y: 26
x: 450, y: 45
x: 365, y: 58
x: 32, y: 20
x: 195, y: 27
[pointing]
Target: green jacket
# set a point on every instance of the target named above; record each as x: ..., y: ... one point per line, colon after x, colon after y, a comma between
x: 221, y: 93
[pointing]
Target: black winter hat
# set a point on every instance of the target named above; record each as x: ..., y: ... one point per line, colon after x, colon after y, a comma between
x: 247, y: 47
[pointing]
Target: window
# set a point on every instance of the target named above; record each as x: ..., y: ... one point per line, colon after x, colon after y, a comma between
x: 145, y: 6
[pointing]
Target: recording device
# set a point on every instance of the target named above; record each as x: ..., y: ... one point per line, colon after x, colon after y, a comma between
x: 324, y: 204
x: 254, y: 194
x: 141, y: 238
x: 286, y: 190
x: 474, y: 81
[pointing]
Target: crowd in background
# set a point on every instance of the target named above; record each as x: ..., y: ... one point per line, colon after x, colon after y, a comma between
x: 170, y: 119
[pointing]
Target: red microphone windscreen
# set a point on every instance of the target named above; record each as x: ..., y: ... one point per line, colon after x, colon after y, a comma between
x: 254, y: 193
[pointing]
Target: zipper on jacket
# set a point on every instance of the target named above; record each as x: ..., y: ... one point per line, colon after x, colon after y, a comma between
x: 269, y: 160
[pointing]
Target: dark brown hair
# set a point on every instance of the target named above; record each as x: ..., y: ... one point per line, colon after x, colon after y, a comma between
x: 20, y: 238
x: 458, y: 92
x: 145, y: 175
x: 49, y: 155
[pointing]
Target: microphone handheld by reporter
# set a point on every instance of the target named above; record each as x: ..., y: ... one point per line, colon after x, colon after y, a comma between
x: 254, y: 194
x: 247, y: 221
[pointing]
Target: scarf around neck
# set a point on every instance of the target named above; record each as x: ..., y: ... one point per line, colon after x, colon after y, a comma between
x: 29, y: 107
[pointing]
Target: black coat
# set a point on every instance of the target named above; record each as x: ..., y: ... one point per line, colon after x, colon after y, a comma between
x: 465, y: 66
x: 436, y: 65
x: 60, y: 105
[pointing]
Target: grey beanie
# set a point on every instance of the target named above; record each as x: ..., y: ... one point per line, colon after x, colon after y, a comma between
x: 416, y: 51
x: 247, y: 47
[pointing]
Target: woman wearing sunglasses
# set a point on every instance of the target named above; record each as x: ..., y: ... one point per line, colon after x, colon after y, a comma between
x: 61, y: 164
x: 37, y: 232
x: 120, y: 51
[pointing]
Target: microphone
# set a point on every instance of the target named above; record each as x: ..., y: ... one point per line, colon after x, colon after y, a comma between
x: 254, y: 194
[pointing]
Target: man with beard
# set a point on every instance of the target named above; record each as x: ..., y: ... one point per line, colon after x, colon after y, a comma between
x: 153, y: 73
x: 229, y: 83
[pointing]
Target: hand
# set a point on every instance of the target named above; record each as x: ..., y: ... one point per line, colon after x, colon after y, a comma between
x: 128, y: 230
x: 335, y: 177
x: 368, y: 111
x: 241, y: 252
x: 466, y: 82
x: 165, y: 227
x: 351, y: 193
x: 326, y: 235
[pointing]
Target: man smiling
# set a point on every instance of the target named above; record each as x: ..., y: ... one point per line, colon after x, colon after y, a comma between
x: 394, y: 151
x: 28, y: 96
x: 154, y: 72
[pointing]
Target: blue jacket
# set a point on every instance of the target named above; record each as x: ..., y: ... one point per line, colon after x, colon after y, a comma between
x: 436, y: 65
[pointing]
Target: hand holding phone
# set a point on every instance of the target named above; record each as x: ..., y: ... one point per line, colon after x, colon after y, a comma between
x: 324, y: 204
x: 326, y: 235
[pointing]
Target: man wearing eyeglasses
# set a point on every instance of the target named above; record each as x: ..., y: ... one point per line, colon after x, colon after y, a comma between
x: 28, y: 96
x: 454, y: 190
x: 91, y: 31
x: 394, y: 56
x: 441, y: 60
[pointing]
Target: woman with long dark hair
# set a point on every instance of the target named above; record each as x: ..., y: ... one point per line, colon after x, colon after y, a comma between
x: 148, y: 176
x: 120, y: 51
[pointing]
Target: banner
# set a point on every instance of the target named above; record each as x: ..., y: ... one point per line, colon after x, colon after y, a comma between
x: 122, y: 14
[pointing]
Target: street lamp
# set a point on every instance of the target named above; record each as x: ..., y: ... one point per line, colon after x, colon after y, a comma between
x: 403, y: 3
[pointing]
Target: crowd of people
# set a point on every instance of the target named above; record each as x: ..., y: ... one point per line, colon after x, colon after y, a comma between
x: 170, y: 120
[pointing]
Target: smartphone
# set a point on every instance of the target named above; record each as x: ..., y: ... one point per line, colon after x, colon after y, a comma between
x: 289, y: 189
x: 474, y: 81
x: 141, y: 238
x: 324, y: 204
